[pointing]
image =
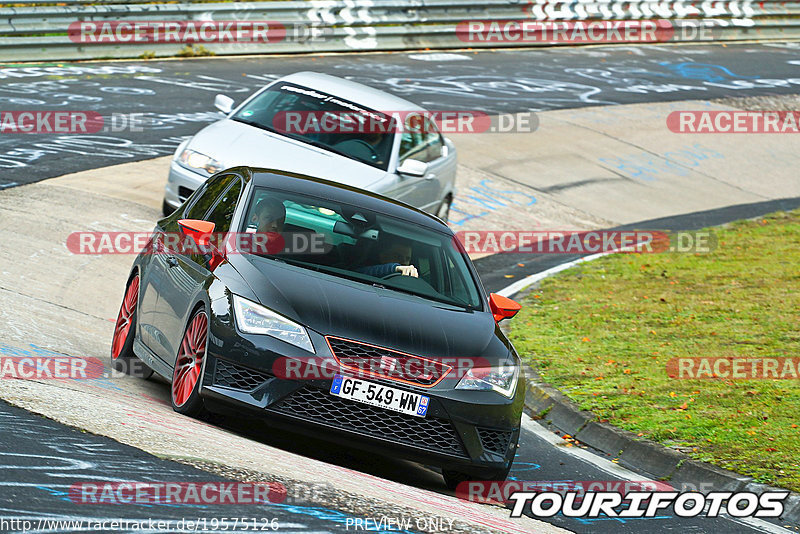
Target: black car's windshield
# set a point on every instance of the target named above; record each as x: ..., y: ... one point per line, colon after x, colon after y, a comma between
x: 322, y: 120
x: 358, y: 244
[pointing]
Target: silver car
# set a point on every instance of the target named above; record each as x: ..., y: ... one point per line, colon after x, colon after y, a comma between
x: 417, y: 167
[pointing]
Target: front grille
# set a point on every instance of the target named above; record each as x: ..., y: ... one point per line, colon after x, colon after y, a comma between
x: 234, y: 376
x: 387, y: 363
x: 317, y: 405
x: 495, y: 440
x: 184, y: 193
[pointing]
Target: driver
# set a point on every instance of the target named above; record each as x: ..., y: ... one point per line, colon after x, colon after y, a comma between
x: 395, y: 257
x: 373, y: 139
x: 269, y: 216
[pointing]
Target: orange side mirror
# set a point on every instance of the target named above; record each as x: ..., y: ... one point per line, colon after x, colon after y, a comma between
x: 503, y: 307
x: 199, y: 230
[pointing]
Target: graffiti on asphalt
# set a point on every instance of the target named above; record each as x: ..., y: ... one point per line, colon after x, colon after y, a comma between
x: 649, y: 166
x: 95, y: 146
x: 178, y: 104
x: 485, y: 198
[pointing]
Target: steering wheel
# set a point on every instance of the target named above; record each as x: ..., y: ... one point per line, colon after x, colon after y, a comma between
x: 392, y: 275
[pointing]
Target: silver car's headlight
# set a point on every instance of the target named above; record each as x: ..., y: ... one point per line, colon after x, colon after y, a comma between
x: 254, y: 318
x: 502, y: 379
x: 195, y: 160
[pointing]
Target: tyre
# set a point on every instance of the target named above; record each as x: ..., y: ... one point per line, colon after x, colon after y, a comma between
x: 122, y: 357
x: 444, y: 209
x: 185, y: 388
x: 453, y: 478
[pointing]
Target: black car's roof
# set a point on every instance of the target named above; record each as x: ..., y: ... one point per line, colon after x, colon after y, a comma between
x: 319, y: 187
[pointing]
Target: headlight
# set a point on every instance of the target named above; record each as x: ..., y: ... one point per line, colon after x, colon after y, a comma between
x: 196, y: 160
x: 502, y: 379
x: 254, y: 318
x: 179, y: 149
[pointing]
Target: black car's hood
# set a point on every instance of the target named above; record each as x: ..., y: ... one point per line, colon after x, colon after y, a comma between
x: 348, y: 309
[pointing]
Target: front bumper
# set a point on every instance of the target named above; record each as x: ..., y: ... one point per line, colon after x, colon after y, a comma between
x: 181, y: 183
x: 475, y: 432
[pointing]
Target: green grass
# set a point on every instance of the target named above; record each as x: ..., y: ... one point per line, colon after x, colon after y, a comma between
x: 604, y: 331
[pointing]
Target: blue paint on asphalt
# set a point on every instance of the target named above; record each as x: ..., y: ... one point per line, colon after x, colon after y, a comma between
x: 704, y: 71
x: 487, y: 198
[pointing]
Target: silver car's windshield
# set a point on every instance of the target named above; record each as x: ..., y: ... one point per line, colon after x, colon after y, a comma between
x: 322, y: 120
x: 359, y: 244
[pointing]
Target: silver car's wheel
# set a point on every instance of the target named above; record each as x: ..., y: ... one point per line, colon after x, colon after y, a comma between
x: 444, y: 209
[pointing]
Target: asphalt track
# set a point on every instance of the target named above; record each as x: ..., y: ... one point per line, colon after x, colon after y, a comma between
x: 39, y: 459
x: 175, y: 97
x: 490, y: 81
x: 36, y: 484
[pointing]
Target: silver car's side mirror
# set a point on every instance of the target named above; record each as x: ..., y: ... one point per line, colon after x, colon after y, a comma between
x: 413, y: 167
x: 223, y: 103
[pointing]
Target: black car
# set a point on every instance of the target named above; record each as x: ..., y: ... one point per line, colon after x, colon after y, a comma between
x: 272, y: 294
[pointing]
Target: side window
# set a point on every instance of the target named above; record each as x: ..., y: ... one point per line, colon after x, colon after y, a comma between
x: 222, y: 213
x: 412, y: 145
x: 434, y: 147
x: 422, y: 142
x: 213, y: 189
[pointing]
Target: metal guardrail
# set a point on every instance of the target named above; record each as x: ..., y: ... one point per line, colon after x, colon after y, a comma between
x: 31, y: 31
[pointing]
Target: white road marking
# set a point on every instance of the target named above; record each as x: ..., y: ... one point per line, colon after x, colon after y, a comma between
x: 519, y: 285
x: 439, y: 57
x: 589, y: 457
x: 620, y: 472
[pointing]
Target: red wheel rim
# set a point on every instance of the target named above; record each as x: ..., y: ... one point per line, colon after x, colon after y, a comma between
x: 190, y: 359
x: 126, y: 313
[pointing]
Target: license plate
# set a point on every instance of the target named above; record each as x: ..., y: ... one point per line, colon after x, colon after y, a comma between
x: 386, y: 397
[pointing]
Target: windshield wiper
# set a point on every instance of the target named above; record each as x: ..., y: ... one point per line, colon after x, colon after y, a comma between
x: 378, y: 285
x: 311, y: 142
x: 256, y: 125
x: 425, y: 296
x: 322, y: 269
